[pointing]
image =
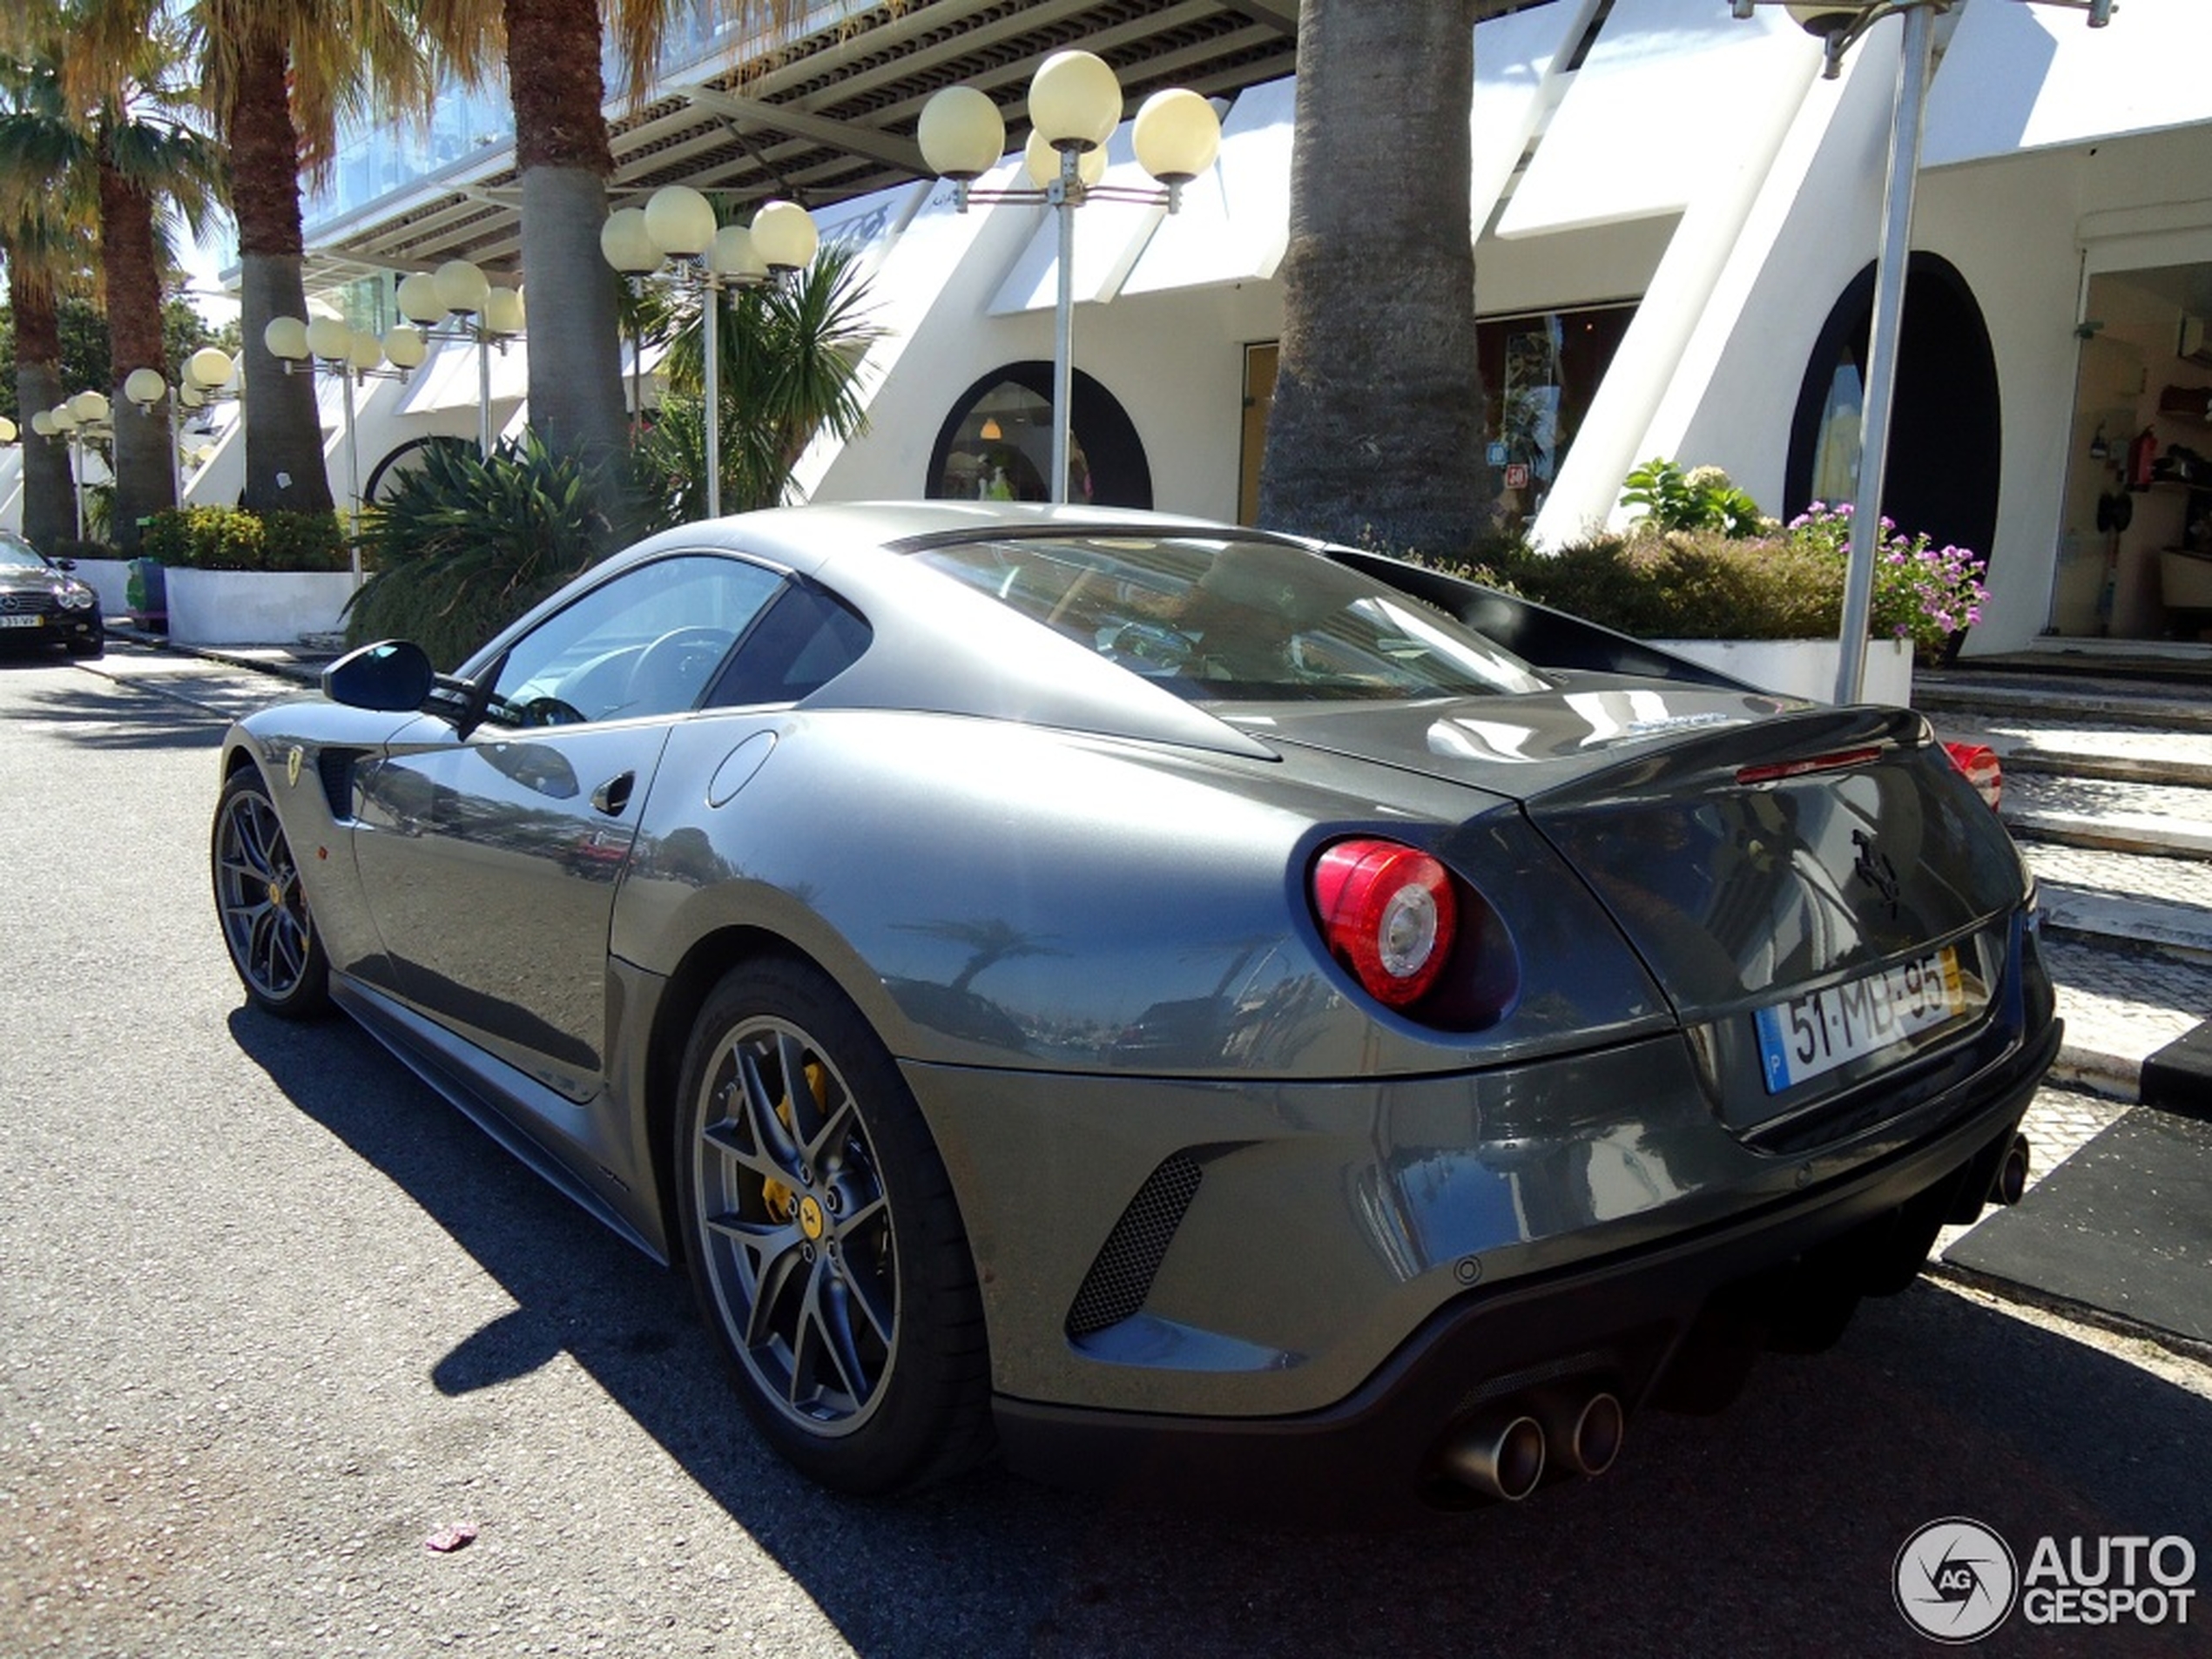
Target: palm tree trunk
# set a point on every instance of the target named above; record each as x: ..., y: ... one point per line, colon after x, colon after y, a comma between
x: 1375, y: 433
x: 145, y: 480
x: 48, y: 515
x: 553, y: 48
x: 285, y: 456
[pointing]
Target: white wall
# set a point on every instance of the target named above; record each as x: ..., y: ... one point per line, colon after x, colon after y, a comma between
x: 1174, y: 360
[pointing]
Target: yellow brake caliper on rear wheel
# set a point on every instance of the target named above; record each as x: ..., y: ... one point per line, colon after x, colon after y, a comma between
x: 780, y: 1199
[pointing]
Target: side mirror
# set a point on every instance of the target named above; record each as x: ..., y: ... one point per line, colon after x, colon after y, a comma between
x: 65, y: 564
x: 393, y: 675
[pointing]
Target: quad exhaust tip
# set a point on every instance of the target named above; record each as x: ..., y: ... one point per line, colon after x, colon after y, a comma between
x: 1504, y: 1453
x: 1499, y: 1454
x: 2011, y: 1174
x: 1591, y: 1442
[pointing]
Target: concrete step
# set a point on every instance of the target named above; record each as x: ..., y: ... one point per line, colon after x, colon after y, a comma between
x: 2184, y: 931
x: 2170, y: 820
x: 2122, y: 1006
x: 2174, y: 883
x: 2171, y: 706
x: 2076, y: 749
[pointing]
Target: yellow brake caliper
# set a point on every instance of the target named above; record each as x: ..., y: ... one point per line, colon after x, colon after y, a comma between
x: 780, y: 1198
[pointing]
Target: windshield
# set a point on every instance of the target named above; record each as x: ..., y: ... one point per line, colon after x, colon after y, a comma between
x: 16, y: 554
x: 1213, y: 618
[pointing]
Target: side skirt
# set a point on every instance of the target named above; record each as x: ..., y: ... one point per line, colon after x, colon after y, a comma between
x: 488, y: 1093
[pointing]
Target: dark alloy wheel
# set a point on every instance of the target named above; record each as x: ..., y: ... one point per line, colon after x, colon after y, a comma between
x: 263, y: 908
x: 824, y: 1240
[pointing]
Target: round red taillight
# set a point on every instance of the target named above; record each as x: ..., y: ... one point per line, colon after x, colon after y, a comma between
x: 1388, y: 915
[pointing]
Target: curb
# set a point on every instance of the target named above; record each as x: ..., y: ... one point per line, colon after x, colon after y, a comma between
x: 302, y: 673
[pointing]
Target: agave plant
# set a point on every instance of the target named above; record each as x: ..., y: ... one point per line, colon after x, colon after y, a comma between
x: 467, y: 543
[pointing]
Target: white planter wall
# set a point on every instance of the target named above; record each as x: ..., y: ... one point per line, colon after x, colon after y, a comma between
x: 1803, y: 668
x: 110, y: 579
x: 254, y: 607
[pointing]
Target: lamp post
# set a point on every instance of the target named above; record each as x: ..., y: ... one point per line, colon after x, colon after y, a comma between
x: 675, y: 232
x: 1838, y: 24
x: 329, y: 346
x: 1075, y: 104
x: 74, y: 419
x: 458, y: 301
x: 143, y: 388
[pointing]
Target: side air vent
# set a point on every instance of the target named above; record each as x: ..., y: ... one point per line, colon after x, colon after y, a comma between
x: 336, y: 767
x: 1121, y: 1277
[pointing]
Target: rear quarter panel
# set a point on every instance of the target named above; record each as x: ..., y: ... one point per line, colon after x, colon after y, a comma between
x: 1005, y: 895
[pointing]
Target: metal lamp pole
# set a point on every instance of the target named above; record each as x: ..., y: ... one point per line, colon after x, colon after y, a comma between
x: 1066, y: 194
x: 1838, y: 24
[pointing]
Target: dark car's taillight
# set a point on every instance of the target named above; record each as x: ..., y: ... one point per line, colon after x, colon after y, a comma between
x: 1388, y: 913
x: 1983, y: 769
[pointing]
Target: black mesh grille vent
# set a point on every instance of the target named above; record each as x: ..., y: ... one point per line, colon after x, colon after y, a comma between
x: 1122, y: 1276
x: 336, y: 766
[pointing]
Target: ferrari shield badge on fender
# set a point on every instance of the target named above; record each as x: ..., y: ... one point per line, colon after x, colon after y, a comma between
x: 292, y: 765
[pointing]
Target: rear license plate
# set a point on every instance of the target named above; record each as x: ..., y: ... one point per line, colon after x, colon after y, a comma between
x: 21, y: 622
x: 1823, y: 1029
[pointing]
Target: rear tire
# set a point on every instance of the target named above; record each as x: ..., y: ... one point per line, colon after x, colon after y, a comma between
x: 261, y: 905
x: 825, y: 1245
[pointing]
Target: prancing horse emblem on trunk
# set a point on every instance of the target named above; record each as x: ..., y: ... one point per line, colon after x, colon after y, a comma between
x: 1875, y: 869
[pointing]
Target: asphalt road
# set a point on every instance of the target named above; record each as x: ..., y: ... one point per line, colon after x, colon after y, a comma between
x: 270, y: 1314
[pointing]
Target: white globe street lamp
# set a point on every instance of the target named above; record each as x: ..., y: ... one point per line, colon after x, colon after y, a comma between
x: 457, y: 301
x: 676, y: 232
x: 1075, y: 104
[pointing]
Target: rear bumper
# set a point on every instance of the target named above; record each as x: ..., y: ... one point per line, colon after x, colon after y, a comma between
x: 1634, y: 1323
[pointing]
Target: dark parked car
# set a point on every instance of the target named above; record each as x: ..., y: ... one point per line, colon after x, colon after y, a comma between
x: 1168, y: 1002
x: 42, y: 604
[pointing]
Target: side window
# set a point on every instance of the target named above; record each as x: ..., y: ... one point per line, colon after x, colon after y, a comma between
x: 808, y: 638
x: 645, y: 643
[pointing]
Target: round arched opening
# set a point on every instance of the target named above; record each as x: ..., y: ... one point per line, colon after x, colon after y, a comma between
x: 1946, y: 438
x: 996, y: 444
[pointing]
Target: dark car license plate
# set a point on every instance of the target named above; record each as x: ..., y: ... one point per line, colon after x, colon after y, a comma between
x: 1822, y: 1029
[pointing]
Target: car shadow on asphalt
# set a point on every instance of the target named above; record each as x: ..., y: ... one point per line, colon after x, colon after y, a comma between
x: 112, y: 715
x: 1767, y: 1524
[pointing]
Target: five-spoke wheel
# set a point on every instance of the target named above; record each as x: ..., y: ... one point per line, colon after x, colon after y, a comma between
x: 264, y: 910
x: 823, y: 1238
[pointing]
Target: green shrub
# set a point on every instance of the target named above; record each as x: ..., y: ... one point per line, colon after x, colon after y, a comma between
x: 1704, y: 498
x: 304, y: 541
x: 466, y: 543
x: 1683, y: 585
x: 1785, y: 584
x: 231, y: 538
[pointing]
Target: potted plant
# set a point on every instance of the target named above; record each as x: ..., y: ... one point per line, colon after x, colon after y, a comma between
x: 235, y: 577
x: 1703, y: 575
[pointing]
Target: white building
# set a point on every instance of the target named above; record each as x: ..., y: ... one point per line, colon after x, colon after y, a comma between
x: 1678, y: 220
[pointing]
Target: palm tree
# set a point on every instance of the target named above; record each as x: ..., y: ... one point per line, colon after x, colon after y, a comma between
x: 37, y: 249
x: 1377, y: 422
x: 552, y: 54
x: 278, y: 75
x: 104, y: 126
x: 44, y: 215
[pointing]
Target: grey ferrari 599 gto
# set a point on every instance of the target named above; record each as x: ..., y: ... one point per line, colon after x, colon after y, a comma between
x: 1160, y: 1001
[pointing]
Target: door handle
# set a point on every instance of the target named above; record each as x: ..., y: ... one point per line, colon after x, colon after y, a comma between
x: 613, y: 796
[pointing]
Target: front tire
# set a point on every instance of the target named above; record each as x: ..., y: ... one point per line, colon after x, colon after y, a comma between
x: 262, y: 906
x: 824, y: 1241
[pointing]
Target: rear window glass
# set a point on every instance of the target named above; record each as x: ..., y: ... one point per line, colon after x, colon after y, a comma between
x: 1228, y: 619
